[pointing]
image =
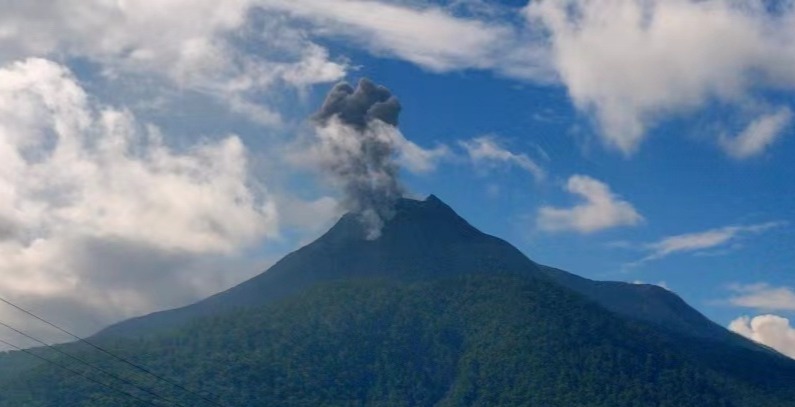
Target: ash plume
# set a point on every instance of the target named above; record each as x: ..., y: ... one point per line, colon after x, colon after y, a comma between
x: 361, y: 106
x: 357, y: 134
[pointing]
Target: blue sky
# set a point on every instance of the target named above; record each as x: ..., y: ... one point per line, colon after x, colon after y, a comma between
x: 160, y: 151
x: 678, y: 183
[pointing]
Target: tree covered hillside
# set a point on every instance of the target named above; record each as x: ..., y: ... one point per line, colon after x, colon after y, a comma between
x: 478, y: 340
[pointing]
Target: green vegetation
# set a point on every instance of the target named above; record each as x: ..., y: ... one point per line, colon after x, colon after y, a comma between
x: 475, y: 340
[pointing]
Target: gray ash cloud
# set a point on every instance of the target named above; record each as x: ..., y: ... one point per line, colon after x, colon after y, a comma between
x: 357, y: 131
x: 359, y: 107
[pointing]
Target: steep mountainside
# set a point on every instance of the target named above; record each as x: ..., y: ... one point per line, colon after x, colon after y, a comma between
x: 478, y: 339
x: 425, y: 239
x: 432, y: 313
x: 483, y: 339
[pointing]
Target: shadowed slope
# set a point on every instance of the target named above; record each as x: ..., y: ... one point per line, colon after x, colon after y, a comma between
x: 426, y: 240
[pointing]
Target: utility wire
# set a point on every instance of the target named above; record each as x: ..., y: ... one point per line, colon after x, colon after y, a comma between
x: 103, y: 371
x: 114, y: 356
x: 78, y: 373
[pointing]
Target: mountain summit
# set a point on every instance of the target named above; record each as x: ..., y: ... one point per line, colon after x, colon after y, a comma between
x: 426, y: 240
x: 423, y: 240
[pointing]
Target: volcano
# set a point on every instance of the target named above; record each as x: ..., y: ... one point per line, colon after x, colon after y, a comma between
x: 426, y: 240
x: 433, y: 312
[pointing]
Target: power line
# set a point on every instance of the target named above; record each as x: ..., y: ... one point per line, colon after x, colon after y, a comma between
x: 78, y: 373
x: 103, y: 371
x: 114, y: 356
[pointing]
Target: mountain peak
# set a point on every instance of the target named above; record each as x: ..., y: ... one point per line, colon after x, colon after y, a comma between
x: 426, y: 240
x: 431, y: 201
x: 431, y: 215
x: 432, y: 205
x: 434, y: 199
x: 428, y: 219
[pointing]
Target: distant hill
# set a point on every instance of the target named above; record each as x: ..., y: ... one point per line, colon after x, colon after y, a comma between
x: 432, y: 313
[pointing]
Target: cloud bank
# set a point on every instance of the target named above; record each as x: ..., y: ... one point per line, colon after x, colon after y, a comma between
x: 634, y: 63
x: 98, y: 212
x: 627, y: 64
x: 178, y: 44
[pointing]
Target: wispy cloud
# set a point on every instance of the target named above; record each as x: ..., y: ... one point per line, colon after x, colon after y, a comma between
x: 487, y: 151
x: 601, y: 209
x: 699, y: 241
x: 429, y: 36
x: 762, y: 296
x: 771, y: 330
x: 758, y: 135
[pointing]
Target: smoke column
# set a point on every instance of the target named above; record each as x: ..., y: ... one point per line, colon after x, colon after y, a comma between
x: 357, y: 135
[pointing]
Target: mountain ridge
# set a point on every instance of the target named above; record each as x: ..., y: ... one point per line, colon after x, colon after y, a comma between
x: 431, y: 313
x: 468, y: 340
x: 427, y: 239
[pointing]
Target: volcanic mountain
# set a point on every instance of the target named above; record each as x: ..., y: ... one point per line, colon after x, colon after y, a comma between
x: 426, y: 240
x: 432, y: 312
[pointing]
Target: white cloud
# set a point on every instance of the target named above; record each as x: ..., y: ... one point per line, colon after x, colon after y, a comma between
x: 193, y: 44
x: 429, y: 36
x: 763, y: 296
x: 758, y: 135
x: 695, y: 242
x: 98, y: 212
x: 628, y: 63
x: 487, y: 151
x: 601, y: 210
x: 771, y: 330
x: 632, y: 63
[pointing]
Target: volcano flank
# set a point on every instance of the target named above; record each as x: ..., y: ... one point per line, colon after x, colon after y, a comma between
x: 431, y: 312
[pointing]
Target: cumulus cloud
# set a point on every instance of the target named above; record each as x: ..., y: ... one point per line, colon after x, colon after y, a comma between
x: 758, y: 135
x: 200, y: 45
x: 771, y: 330
x: 91, y: 199
x: 708, y: 239
x: 763, y: 296
x: 601, y: 209
x: 632, y: 63
x: 487, y: 151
